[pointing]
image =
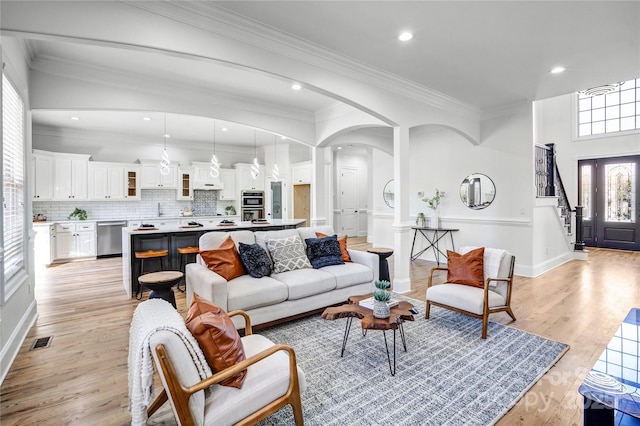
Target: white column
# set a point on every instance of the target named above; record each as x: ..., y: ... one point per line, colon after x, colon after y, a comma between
x: 321, y: 186
x: 401, y: 221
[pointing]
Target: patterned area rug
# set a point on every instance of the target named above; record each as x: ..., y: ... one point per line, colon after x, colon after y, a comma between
x: 448, y: 375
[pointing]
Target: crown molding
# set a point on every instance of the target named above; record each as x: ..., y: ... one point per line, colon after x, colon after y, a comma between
x: 217, y: 20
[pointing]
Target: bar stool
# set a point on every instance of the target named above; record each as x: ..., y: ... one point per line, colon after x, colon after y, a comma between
x: 160, y: 255
x: 184, y: 253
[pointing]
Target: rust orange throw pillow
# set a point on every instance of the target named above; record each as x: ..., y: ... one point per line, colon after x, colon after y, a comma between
x: 225, y: 260
x: 217, y: 337
x: 466, y: 268
x: 343, y: 246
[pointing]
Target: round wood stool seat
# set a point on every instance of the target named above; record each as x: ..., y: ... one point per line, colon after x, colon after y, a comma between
x: 188, y: 250
x: 150, y: 254
x: 160, y: 284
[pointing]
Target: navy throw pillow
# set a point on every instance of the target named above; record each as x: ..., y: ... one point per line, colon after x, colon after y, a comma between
x: 324, y: 251
x: 255, y: 260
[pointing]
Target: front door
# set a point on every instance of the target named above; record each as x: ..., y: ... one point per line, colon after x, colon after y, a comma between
x: 610, y: 194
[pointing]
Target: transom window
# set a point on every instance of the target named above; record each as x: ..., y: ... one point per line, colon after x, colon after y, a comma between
x: 617, y: 110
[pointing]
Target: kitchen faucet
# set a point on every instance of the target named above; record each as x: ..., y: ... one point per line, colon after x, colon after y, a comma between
x: 159, y: 210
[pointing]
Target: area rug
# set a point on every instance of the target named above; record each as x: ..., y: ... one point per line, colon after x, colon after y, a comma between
x: 448, y: 376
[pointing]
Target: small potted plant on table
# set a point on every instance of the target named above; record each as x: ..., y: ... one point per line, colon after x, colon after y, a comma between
x: 381, y: 297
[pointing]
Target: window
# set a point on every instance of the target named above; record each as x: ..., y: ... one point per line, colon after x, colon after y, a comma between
x: 613, y: 108
x: 13, y: 191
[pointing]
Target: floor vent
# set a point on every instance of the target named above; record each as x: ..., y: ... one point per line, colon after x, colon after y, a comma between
x: 42, y: 342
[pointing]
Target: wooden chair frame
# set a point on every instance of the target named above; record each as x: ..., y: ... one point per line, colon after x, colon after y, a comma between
x: 180, y: 395
x: 486, y: 311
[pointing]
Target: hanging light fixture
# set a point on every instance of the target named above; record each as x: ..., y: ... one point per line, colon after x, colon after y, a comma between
x: 164, y: 163
x: 214, y: 169
x: 275, y: 172
x: 255, y: 167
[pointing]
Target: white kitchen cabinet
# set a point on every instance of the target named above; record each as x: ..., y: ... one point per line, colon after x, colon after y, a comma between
x: 106, y: 181
x: 301, y: 173
x: 153, y: 179
x: 75, y: 240
x: 228, y: 179
x: 43, y: 244
x: 185, y: 184
x: 246, y: 181
x: 71, y: 177
x: 42, y: 167
x: 132, y: 182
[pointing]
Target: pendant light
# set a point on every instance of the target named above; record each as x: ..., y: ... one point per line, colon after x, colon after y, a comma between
x: 164, y: 163
x: 214, y: 170
x: 255, y: 167
x: 275, y: 172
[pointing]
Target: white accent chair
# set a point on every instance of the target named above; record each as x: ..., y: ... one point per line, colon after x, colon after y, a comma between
x: 475, y: 301
x: 273, y: 381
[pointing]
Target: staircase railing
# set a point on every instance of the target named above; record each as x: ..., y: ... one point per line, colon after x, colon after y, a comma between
x: 549, y: 184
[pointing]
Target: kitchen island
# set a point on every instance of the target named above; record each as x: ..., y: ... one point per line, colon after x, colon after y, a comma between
x: 172, y: 237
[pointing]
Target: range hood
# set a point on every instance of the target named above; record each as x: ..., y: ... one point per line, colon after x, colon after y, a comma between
x: 208, y: 186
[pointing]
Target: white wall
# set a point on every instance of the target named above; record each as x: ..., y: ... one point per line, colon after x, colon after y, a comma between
x: 381, y: 232
x: 19, y: 310
x: 441, y: 158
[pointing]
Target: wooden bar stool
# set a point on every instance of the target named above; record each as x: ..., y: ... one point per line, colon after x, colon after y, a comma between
x: 160, y: 255
x: 184, y: 253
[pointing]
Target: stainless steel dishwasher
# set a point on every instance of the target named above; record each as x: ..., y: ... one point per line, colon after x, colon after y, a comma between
x: 110, y: 237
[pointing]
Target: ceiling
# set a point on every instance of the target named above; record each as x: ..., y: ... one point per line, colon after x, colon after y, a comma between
x: 486, y: 54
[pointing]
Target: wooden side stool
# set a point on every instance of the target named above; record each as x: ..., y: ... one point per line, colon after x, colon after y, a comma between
x: 160, y: 255
x: 382, y: 253
x: 160, y: 284
x: 184, y: 253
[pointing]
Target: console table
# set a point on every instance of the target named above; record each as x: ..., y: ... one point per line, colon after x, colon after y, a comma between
x: 434, y: 240
x: 611, y: 390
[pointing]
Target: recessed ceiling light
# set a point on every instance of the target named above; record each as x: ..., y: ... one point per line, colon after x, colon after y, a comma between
x: 339, y: 147
x: 167, y: 135
x: 146, y: 118
x: 283, y: 137
x: 405, y: 36
x: 558, y: 70
x: 224, y: 129
x: 74, y: 118
x: 296, y: 86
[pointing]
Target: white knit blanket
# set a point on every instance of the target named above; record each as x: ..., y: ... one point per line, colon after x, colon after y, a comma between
x: 151, y: 316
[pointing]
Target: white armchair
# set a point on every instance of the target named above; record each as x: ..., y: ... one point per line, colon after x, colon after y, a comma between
x: 477, y: 302
x: 273, y: 381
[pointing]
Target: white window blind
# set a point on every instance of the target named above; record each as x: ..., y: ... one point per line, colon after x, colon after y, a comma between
x: 13, y: 179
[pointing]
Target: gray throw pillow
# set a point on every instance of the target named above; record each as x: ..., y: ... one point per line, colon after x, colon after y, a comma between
x: 288, y: 254
x: 255, y: 260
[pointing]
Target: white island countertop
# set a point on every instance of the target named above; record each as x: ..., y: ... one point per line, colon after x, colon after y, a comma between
x: 214, y: 227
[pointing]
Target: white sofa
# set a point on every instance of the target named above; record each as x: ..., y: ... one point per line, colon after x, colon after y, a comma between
x: 285, y: 294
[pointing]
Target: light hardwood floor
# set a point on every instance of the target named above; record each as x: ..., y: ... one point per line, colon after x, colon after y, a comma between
x: 82, y: 377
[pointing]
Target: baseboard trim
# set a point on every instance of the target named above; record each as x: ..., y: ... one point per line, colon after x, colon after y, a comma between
x: 12, y: 347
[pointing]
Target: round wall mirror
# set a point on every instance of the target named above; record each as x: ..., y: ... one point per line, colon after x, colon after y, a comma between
x: 477, y: 191
x: 387, y: 193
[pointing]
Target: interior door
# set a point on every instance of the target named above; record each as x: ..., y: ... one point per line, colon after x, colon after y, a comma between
x: 349, y: 201
x: 302, y: 202
x: 610, y: 195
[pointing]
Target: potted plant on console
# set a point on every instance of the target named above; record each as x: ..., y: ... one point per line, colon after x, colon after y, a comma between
x: 381, y: 297
x: 433, y: 204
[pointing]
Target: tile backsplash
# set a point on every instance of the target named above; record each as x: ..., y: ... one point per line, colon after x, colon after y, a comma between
x: 153, y: 201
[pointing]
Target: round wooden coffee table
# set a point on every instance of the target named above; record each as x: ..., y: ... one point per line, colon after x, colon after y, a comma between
x: 399, y: 314
x: 160, y: 284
